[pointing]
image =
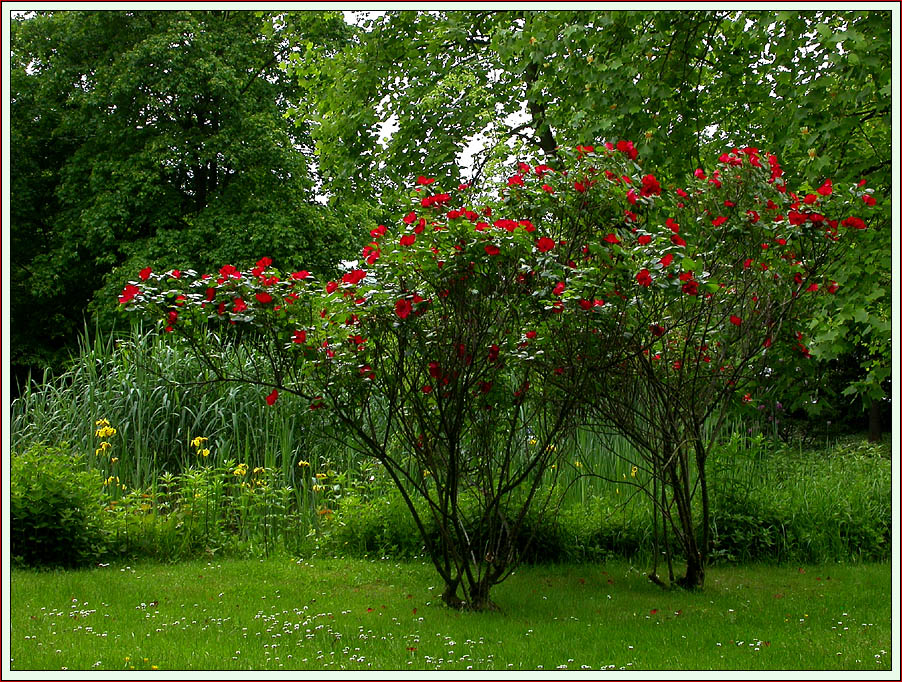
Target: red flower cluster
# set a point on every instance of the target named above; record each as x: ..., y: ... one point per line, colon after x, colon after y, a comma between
x: 128, y: 293
x: 650, y: 186
x: 354, y: 277
x: 544, y: 244
x: 403, y: 308
x: 435, y: 200
x: 626, y: 146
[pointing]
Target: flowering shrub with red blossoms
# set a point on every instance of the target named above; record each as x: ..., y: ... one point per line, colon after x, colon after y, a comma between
x: 710, y: 281
x: 478, y: 330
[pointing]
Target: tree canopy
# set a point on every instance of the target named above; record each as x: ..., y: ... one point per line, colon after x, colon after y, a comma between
x: 149, y: 135
x: 214, y: 136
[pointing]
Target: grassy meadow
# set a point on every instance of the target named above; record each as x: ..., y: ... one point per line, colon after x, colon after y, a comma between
x: 341, y: 614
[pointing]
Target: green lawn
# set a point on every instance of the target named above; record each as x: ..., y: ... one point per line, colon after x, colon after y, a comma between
x: 358, y: 615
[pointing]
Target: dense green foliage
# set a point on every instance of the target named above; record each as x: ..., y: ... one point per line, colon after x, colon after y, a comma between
x: 201, y: 137
x: 676, y: 82
x: 55, y: 509
x: 146, y: 136
x: 814, y: 86
x: 774, y: 503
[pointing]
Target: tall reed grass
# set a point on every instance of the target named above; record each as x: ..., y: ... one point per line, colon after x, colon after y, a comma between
x: 159, y: 399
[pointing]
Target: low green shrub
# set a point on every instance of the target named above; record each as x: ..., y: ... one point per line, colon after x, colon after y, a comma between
x: 56, y: 509
x: 594, y: 531
x: 783, y: 504
x: 768, y: 503
x: 379, y: 526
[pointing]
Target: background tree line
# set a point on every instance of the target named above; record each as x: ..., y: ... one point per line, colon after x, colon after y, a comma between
x: 205, y: 137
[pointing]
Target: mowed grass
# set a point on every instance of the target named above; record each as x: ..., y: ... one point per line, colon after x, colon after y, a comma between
x: 336, y: 614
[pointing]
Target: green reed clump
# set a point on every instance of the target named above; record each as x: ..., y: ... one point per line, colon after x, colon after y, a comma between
x: 158, y: 398
x: 774, y: 502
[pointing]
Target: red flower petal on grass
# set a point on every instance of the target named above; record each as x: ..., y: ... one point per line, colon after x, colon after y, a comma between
x: 735, y: 320
x: 548, y: 188
x: 492, y: 250
x: 272, y: 397
x: 611, y: 238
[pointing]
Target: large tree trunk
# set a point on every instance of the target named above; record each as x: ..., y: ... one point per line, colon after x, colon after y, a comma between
x: 695, y: 573
x: 875, y: 427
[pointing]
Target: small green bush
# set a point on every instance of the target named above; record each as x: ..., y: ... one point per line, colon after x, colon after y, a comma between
x: 745, y: 528
x: 55, y: 509
x: 594, y: 531
x: 382, y: 526
x: 783, y: 504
